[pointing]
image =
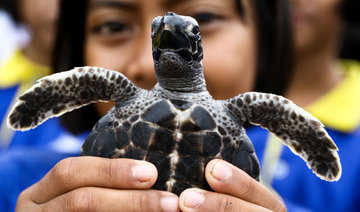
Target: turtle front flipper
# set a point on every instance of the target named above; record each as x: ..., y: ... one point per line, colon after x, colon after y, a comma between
x: 63, y: 92
x: 299, y: 130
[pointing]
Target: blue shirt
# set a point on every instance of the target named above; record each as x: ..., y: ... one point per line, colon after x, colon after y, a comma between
x: 288, y: 174
x: 301, y: 189
x: 30, y: 154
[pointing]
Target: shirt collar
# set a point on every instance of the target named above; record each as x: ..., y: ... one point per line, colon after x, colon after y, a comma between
x: 20, y: 70
x: 340, y: 108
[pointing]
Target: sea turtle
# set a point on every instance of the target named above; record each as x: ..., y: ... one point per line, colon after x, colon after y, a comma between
x: 177, y: 125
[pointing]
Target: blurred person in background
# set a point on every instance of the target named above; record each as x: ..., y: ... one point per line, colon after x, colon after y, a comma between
x: 329, y: 88
x: 244, y: 49
x: 24, y: 60
x: 25, y: 64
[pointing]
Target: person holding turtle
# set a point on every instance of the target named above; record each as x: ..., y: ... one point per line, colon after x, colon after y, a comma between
x: 177, y: 125
x: 116, y: 35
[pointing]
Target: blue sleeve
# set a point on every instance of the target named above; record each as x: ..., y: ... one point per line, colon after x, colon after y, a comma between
x: 22, y: 167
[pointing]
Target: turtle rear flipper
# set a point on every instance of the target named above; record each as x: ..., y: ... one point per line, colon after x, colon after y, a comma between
x: 299, y: 130
x: 63, y: 92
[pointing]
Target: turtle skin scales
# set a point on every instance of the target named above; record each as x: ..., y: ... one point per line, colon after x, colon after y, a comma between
x: 177, y: 125
x: 178, y: 137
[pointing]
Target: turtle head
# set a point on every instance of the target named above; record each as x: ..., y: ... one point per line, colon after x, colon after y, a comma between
x: 176, y: 47
x: 177, y: 34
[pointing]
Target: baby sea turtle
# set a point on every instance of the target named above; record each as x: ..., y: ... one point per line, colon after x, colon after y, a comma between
x: 177, y: 125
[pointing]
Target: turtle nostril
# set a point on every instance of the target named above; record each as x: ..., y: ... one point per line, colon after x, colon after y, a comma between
x: 195, y: 30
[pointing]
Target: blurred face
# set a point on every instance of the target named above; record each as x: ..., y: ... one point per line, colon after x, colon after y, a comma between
x: 118, y: 38
x: 40, y: 16
x: 316, y: 23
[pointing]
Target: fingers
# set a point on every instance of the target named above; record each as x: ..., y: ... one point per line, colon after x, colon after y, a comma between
x: 200, y: 200
x: 103, y: 199
x: 225, y: 178
x: 72, y: 173
x: 234, y: 191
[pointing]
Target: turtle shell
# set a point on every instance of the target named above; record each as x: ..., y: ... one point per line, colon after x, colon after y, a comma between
x: 178, y: 137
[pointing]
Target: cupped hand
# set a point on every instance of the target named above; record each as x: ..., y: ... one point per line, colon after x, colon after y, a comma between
x: 234, y: 190
x: 97, y: 184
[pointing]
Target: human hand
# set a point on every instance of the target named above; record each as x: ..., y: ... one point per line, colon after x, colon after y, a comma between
x: 234, y: 190
x: 97, y: 184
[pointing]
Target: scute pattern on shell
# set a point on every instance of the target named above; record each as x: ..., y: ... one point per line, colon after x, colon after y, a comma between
x: 113, y: 136
x: 179, y: 137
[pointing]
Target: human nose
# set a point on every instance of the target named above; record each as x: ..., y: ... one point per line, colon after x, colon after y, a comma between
x: 141, y: 69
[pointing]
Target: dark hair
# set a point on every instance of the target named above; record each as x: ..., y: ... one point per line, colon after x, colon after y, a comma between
x: 274, y: 45
x: 273, y: 53
x: 351, y: 11
x: 351, y: 36
x: 11, y: 7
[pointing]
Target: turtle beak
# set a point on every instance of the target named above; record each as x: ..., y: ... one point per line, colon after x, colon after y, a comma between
x: 169, y: 34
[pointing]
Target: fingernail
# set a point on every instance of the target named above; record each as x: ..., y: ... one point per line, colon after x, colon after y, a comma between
x: 143, y: 172
x: 169, y: 204
x: 221, y: 171
x: 193, y: 198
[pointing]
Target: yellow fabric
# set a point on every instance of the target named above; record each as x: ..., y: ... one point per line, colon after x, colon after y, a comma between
x: 19, y: 70
x: 340, y: 108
